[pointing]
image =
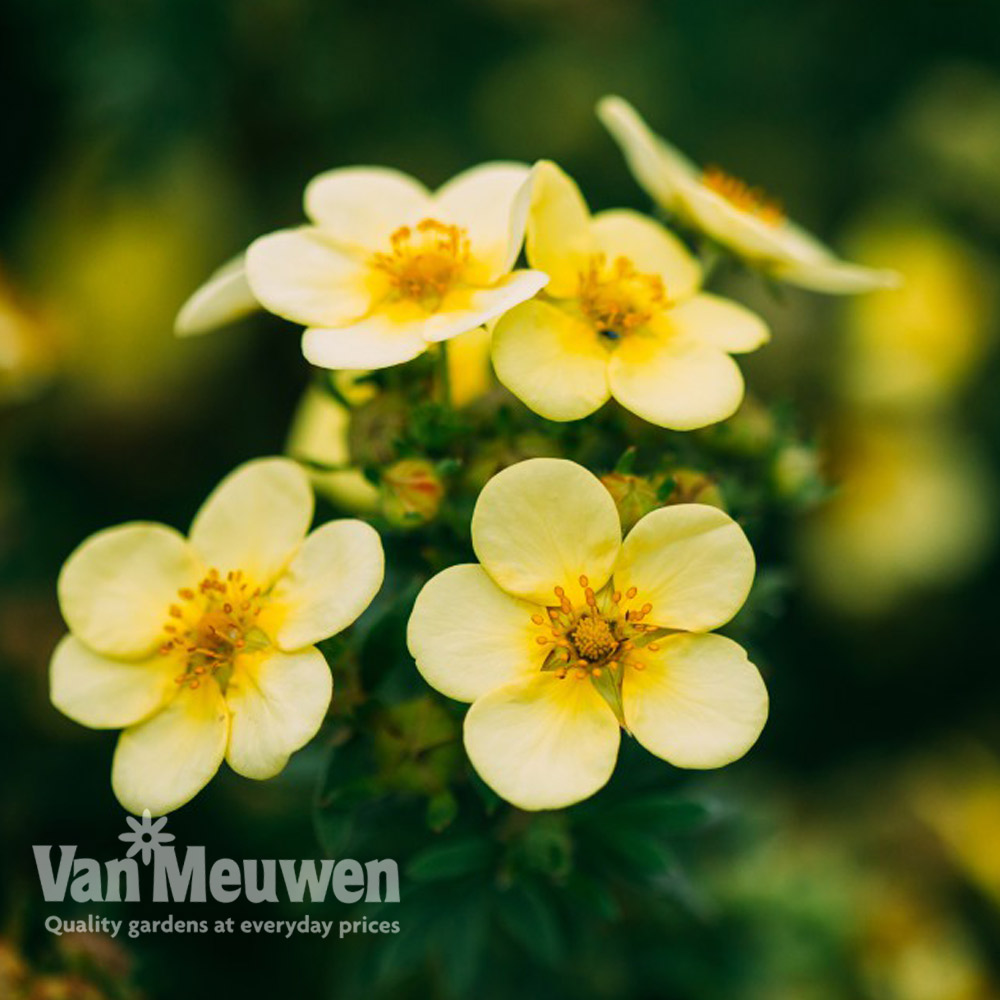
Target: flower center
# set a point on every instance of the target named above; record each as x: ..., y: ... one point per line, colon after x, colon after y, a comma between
x: 601, y: 636
x: 425, y: 261
x: 619, y: 299
x: 752, y: 200
x: 209, y: 628
x: 593, y: 638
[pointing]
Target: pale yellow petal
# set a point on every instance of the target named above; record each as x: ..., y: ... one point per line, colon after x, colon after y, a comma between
x: 545, y: 523
x: 651, y: 248
x: 490, y: 202
x: 470, y: 308
x: 468, y: 637
x: 742, y: 231
x: 660, y: 169
x: 255, y: 519
x: 319, y: 437
x: 699, y: 702
x: 350, y: 491
x: 105, y: 693
x: 551, y: 360
x: 378, y: 341
x: 797, y: 257
x: 360, y: 207
x: 116, y: 589
x: 559, y: 237
x: 224, y: 298
x: 278, y: 703
x: 400, y: 332
x: 470, y: 374
x: 721, y: 323
x: 673, y: 381
x: 543, y: 743
x: 692, y: 562
x: 319, y: 431
x: 332, y: 579
x: 835, y: 277
x: 300, y: 275
x: 164, y: 761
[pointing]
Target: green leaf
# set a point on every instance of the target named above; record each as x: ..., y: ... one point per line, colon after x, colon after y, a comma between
x: 626, y: 463
x: 450, y: 860
x: 531, y: 920
x: 462, y: 939
x: 664, y: 813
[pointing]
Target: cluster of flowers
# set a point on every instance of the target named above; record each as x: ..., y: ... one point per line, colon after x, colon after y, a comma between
x: 204, y: 648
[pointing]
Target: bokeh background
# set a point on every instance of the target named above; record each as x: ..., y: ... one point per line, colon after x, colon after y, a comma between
x: 143, y: 144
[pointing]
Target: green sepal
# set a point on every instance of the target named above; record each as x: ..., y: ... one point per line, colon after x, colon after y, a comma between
x: 608, y: 686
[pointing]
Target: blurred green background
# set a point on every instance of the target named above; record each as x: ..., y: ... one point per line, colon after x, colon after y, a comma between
x: 145, y: 143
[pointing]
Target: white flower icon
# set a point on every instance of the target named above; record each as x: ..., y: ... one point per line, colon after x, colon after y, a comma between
x: 146, y: 836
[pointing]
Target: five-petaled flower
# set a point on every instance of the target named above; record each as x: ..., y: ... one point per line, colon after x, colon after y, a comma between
x: 202, y: 649
x: 622, y: 316
x: 741, y: 218
x: 563, y: 634
x: 386, y: 269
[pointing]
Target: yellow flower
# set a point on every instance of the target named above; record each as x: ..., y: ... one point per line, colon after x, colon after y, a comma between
x: 386, y: 269
x: 563, y: 633
x: 622, y: 316
x: 741, y: 218
x: 27, y: 351
x: 203, y: 648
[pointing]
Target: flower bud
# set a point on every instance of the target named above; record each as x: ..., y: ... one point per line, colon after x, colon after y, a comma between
x: 412, y: 492
x: 634, y: 496
x: 689, y: 486
x: 797, y: 474
x: 374, y: 429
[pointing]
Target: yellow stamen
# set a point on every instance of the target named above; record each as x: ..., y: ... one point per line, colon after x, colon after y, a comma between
x: 618, y: 300
x: 425, y: 262
x: 752, y: 200
x: 216, y: 626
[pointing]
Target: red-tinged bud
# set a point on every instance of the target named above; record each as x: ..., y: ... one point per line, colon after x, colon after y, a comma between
x: 412, y: 492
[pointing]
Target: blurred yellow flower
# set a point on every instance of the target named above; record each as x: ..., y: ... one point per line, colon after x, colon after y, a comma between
x: 914, y: 346
x: 202, y: 649
x: 913, y: 508
x: 386, y: 269
x: 957, y: 795
x: 563, y: 634
x: 740, y: 218
x: 622, y: 316
x: 27, y: 352
x: 108, y: 264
